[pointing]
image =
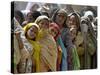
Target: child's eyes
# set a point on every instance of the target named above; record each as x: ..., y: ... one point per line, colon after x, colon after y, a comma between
x: 31, y: 30
x: 54, y: 31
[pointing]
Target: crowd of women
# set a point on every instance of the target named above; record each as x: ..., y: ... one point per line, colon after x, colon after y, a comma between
x: 56, y: 41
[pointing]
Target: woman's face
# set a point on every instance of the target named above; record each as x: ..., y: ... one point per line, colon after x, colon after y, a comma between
x: 44, y: 24
x: 60, y: 18
x: 32, y: 32
x: 30, y: 18
x: 72, y: 21
x: 18, y: 19
x: 53, y: 31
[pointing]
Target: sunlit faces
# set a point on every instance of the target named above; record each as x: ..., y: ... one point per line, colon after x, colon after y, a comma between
x: 60, y: 18
x: 72, y: 21
x: 53, y: 31
x: 32, y: 32
x: 44, y: 24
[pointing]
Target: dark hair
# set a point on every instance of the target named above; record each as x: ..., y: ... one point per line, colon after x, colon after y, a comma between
x: 78, y: 18
x: 54, y: 17
x: 20, y: 15
x: 45, y: 13
x: 34, y: 14
x: 89, y: 8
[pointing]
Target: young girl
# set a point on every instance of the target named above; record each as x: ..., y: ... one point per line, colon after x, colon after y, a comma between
x: 76, y: 62
x: 55, y: 31
x: 31, y: 33
x: 73, y: 23
x: 61, y: 58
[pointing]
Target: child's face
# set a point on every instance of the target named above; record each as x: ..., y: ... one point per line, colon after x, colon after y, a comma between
x: 73, y: 33
x: 44, y: 24
x: 32, y: 32
x: 53, y: 31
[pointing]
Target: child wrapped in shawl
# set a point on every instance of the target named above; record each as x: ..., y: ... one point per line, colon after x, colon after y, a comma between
x: 55, y: 32
x: 73, y: 23
x: 48, y: 53
x: 61, y: 61
x: 76, y: 62
x: 31, y: 33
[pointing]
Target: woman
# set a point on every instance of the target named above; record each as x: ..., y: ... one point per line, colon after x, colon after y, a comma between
x: 48, y: 53
x: 31, y: 33
x: 19, y: 16
x: 73, y: 20
x: 60, y: 17
x: 90, y: 42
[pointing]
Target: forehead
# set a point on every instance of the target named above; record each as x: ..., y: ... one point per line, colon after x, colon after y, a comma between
x: 34, y: 27
x: 61, y: 13
x: 44, y: 20
x: 72, y: 17
x: 54, y: 28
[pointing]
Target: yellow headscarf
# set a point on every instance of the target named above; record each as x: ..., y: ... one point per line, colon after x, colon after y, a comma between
x: 36, y: 47
x: 29, y: 25
x: 42, y: 31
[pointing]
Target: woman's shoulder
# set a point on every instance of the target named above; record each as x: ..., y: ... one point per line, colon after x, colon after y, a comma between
x: 65, y: 31
x: 79, y: 38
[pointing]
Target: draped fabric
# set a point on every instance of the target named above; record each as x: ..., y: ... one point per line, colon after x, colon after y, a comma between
x: 44, y: 51
x: 36, y: 47
x: 64, y: 64
x: 76, y: 62
x: 19, y: 60
x: 36, y: 54
x: 17, y: 55
x: 48, y: 50
x: 66, y: 38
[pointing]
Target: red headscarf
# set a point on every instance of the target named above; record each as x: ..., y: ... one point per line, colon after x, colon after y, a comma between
x: 55, y: 26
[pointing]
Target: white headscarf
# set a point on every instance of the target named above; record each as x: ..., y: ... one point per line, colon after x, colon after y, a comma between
x: 87, y: 13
